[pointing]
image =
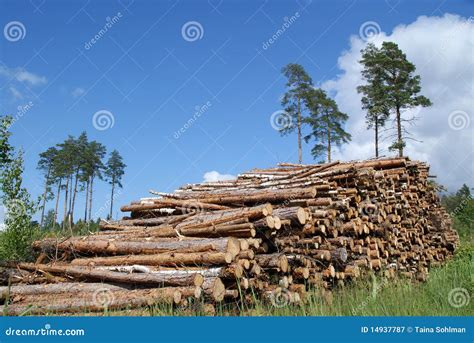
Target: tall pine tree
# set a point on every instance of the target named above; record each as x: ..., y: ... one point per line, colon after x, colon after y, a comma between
x: 115, y: 168
x: 326, y: 123
x: 392, y: 88
x: 298, y: 84
x: 46, y: 165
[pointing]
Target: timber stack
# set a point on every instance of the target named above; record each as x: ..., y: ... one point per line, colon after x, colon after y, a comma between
x: 271, y: 234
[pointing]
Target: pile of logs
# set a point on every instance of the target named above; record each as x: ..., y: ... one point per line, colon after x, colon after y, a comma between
x: 269, y: 235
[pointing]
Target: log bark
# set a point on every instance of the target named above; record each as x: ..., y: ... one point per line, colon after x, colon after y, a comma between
x: 166, y: 259
x: 116, y: 277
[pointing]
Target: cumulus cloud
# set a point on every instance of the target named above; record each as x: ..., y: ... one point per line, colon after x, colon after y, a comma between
x: 212, y: 176
x: 441, y: 49
x: 77, y: 92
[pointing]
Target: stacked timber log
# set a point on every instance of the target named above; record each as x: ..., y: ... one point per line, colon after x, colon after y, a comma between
x: 270, y: 234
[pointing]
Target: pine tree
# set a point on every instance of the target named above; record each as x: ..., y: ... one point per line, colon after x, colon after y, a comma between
x: 79, y: 148
x: 392, y: 82
x: 95, y: 153
x: 115, y: 168
x: 46, y: 165
x: 298, y: 84
x: 326, y: 123
x: 377, y: 111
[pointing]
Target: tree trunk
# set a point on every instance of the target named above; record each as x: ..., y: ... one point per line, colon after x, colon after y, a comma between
x: 84, y: 302
x: 70, y: 203
x: 90, y: 196
x: 300, y: 152
x: 165, y: 245
x: 112, y: 197
x: 329, y: 144
x: 399, y: 133
x: 66, y: 190
x: 376, y: 137
x: 54, y: 288
x: 164, y: 259
x: 58, y: 194
x: 44, y: 195
x: 117, y: 277
x: 87, y: 200
x: 74, y: 197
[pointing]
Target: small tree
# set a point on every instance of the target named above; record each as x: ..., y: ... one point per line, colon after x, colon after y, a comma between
x: 115, y: 168
x: 298, y: 84
x: 391, y: 82
x: 326, y: 124
x: 15, y: 241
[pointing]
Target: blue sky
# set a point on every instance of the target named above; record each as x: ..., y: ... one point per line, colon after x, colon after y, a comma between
x: 151, y: 79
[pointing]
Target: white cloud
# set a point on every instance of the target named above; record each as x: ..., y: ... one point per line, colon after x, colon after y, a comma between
x: 22, y: 75
x: 77, y: 92
x: 33, y: 79
x: 16, y: 93
x: 212, y: 176
x: 441, y: 49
